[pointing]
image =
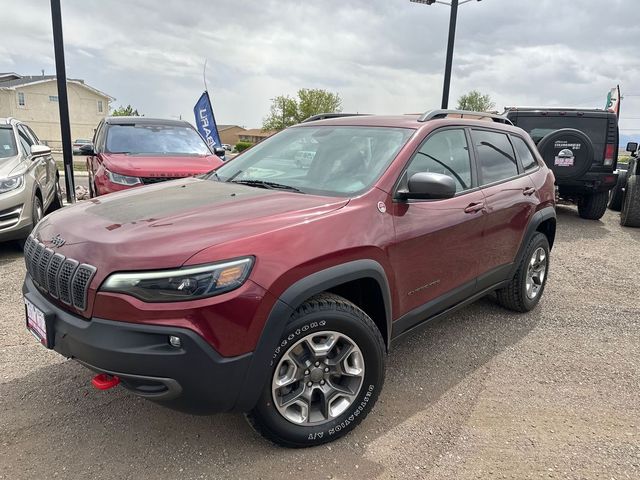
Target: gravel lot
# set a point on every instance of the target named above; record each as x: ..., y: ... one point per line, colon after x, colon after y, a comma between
x: 482, y: 394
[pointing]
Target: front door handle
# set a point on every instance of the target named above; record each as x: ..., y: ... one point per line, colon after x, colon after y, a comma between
x: 474, y: 207
x: 529, y: 191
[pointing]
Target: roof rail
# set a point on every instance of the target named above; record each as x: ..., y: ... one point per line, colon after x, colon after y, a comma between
x: 323, y: 116
x: 435, y: 114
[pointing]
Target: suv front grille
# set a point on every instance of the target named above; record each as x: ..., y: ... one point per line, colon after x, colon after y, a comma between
x: 62, y: 278
x: 152, y: 180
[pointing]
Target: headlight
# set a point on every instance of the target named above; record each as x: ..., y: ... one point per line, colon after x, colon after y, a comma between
x: 181, y: 284
x: 11, y: 183
x: 122, y: 179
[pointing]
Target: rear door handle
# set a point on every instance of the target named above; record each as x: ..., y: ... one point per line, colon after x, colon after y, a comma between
x: 529, y: 191
x: 474, y: 207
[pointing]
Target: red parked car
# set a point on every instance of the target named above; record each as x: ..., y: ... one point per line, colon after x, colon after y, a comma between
x: 133, y: 151
x: 274, y: 286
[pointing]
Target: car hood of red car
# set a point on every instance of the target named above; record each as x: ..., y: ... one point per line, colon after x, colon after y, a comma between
x: 163, y: 225
x: 138, y: 165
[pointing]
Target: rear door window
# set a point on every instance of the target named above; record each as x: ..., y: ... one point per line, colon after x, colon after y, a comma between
x: 527, y: 159
x: 496, y: 158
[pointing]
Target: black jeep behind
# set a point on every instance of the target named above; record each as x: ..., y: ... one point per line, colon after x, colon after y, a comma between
x: 580, y: 146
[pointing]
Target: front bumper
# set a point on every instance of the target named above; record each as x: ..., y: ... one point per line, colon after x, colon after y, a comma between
x: 15, y: 215
x: 193, y: 378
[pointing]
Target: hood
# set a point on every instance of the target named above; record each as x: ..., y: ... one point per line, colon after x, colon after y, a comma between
x: 163, y: 225
x: 160, y: 165
x: 10, y: 166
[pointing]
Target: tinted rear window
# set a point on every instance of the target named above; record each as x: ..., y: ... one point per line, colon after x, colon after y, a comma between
x: 539, y: 126
x: 496, y: 159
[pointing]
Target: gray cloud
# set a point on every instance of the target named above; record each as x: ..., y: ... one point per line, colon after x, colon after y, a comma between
x: 382, y: 56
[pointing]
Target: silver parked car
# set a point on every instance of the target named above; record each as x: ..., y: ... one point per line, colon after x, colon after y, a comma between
x: 29, y: 180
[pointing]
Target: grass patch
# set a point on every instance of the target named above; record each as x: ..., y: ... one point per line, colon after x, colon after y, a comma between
x: 78, y: 166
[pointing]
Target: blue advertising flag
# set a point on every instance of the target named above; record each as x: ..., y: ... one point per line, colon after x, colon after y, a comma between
x: 206, y: 122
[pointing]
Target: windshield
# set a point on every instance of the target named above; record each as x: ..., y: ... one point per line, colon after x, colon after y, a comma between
x: 7, y: 143
x: 155, y: 139
x: 325, y: 160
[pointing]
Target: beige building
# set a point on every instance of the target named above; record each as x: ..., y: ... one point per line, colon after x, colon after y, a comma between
x: 34, y: 100
x: 255, y: 135
x: 230, y: 134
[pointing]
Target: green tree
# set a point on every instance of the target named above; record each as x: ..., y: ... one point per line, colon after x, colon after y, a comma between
x: 127, y: 111
x: 286, y: 111
x: 476, y: 101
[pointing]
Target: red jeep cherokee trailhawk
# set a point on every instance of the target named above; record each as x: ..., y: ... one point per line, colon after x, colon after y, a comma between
x: 275, y: 285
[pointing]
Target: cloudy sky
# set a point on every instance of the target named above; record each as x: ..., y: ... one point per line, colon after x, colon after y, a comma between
x: 381, y: 56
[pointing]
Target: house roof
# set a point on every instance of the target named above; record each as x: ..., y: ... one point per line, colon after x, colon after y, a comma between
x: 227, y: 127
x: 257, y: 132
x: 11, y: 81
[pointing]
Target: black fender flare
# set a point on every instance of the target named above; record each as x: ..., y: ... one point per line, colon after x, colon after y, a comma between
x: 285, y: 305
x: 540, y: 216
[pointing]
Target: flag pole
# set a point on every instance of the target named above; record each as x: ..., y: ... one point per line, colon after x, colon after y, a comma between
x: 204, y: 75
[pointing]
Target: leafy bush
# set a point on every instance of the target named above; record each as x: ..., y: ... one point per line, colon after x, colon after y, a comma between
x: 240, y: 146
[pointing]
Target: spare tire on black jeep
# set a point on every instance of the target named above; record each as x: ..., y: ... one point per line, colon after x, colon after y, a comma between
x: 567, y: 152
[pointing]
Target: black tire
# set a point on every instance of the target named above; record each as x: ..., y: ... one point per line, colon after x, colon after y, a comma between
x: 617, y: 194
x: 324, y: 312
x: 567, y: 141
x: 594, y: 206
x: 56, y: 204
x: 630, y: 214
x: 514, y: 296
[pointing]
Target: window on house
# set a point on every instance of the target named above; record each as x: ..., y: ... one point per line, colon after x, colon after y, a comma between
x: 53, y: 98
x: 100, y: 106
x: 21, y: 101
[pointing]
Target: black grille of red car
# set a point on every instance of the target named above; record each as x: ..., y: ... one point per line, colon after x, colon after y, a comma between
x: 151, y: 180
x: 62, y: 278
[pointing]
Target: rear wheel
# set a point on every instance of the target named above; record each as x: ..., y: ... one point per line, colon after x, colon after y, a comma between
x: 630, y: 214
x: 617, y: 194
x: 593, y: 206
x: 325, y: 377
x: 527, y: 285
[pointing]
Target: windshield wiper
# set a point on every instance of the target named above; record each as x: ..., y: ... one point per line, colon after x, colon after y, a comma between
x: 265, y: 184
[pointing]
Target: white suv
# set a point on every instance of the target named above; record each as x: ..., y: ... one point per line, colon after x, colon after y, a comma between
x: 29, y: 180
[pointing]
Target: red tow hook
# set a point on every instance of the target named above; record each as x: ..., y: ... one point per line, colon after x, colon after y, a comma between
x: 104, y: 381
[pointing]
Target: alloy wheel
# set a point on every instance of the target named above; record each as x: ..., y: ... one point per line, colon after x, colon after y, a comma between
x: 318, y: 378
x: 536, y: 272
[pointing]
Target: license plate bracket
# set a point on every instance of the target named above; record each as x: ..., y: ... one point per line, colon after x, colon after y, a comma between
x: 39, y: 323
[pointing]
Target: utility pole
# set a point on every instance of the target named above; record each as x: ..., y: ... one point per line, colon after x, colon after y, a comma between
x: 449, y: 63
x: 63, y: 101
x: 283, y: 104
x: 450, y: 43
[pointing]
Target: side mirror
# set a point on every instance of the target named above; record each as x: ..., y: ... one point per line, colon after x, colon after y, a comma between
x: 632, y: 147
x: 427, y: 185
x: 220, y: 152
x: 86, y: 149
x: 40, y: 150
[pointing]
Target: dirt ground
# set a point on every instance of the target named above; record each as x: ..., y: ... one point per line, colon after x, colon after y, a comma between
x: 482, y: 394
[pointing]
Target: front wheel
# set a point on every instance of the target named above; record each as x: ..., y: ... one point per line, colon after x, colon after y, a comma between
x: 325, y: 375
x: 630, y: 215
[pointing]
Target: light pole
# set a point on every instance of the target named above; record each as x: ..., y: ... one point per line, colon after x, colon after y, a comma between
x: 452, y: 36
